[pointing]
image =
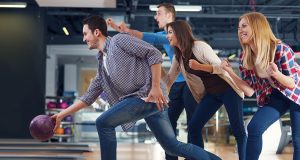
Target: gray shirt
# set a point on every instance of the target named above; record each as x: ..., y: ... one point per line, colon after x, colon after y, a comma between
x: 129, y: 63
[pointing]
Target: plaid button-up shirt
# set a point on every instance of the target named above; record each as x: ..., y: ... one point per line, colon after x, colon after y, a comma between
x: 129, y: 63
x: 286, y: 63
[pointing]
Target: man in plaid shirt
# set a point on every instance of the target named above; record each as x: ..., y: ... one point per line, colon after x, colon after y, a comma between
x: 129, y: 73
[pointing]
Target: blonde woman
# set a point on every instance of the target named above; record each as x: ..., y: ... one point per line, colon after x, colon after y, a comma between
x: 201, y: 67
x: 269, y: 69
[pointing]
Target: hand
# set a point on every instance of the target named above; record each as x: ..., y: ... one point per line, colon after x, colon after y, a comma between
x: 123, y: 28
x: 109, y: 21
x: 226, y: 65
x: 272, y: 69
x: 57, y: 119
x: 112, y: 24
x: 194, y: 64
x: 156, y: 95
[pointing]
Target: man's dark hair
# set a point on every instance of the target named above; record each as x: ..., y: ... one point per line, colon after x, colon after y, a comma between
x: 169, y: 8
x: 96, y: 22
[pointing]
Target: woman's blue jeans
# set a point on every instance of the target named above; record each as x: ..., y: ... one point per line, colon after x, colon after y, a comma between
x: 208, y: 106
x: 266, y: 116
x: 180, y: 98
x: 133, y: 109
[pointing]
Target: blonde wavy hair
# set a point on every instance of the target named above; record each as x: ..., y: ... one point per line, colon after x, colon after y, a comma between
x: 263, y: 39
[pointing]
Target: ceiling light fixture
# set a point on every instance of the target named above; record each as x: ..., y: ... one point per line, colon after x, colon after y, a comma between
x: 180, y: 8
x: 13, y: 5
x: 66, y: 31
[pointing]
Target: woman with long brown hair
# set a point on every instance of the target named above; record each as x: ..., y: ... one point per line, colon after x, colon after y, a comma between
x: 269, y: 69
x: 201, y: 67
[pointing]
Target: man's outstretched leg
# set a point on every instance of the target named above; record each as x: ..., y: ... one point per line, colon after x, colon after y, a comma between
x: 128, y: 110
x: 160, y: 126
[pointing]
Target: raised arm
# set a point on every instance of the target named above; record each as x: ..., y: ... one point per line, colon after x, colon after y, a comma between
x: 209, y: 59
x: 198, y: 66
x: 153, y: 38
x: 122, y: 28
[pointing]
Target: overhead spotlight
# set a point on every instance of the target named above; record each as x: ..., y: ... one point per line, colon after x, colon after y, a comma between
x: 65, y: 31
x: 13, y: 5
x: 180, y: 8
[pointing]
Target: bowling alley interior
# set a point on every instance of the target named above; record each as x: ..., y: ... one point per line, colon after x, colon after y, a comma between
x: 46, y: 65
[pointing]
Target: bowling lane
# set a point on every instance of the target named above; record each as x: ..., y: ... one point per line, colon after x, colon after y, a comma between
x: 15, y: 149
x: 40, y: 157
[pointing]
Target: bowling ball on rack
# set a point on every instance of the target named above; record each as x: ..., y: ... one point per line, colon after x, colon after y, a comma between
x: 59, y: 130
x: 41, y: 127
x: 68, y: 130
x: 51, y: 105
x: 63, y: 105
x: 68, y: 118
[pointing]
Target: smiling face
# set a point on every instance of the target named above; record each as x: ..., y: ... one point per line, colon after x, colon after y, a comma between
x: 89, y: 37
x: 172, y: 37
x: 245, y: 32
x: 162, y: 17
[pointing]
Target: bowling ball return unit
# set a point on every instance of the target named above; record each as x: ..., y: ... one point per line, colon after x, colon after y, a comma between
x: 14, y: 150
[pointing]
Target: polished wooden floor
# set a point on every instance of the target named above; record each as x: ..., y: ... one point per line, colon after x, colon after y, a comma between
x: 139, y: 151
x: 155, y: 152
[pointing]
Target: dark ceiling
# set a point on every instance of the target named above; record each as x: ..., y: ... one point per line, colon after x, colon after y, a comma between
x: 216, y: 23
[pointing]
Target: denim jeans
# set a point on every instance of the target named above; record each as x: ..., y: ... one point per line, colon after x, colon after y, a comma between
x: 208, y: 106
x: 266, y: 116
x: 180, y: 98
x: 133, y: 109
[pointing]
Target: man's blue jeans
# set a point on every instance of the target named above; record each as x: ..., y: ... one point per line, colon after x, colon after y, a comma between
x: 208, y: 106
x: 266, y: 116
x: 180, y: 98
x: 133, y: 109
